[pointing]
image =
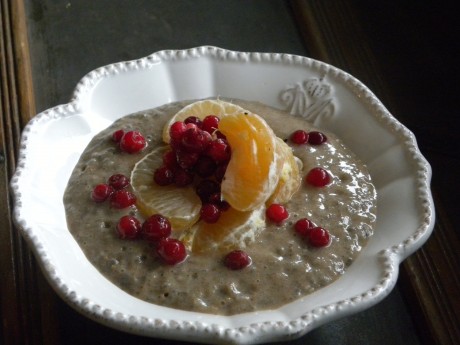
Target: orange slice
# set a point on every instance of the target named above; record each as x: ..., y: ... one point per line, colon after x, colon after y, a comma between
x: 180, y: 205
x: 201, y: 109
x: 253, y: 171
x: 234, y: 229
x: 290, y: 179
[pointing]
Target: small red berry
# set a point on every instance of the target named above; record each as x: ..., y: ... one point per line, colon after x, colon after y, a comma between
x: 316, y: 138
x: 118, y: 181
x: 303, y: 227
x: 237, y: 260
x: 319, y: 237
x: 195, y: 140
x: 182, y: 177
x: 206, y: 188
x: 176, y: 130
x: 219, y: 150
x: 169, y: 159
x: 210, y: 123
x: 210, y: 213
x: 101, y: 192
x: 163, y: 176
x: 156, y: 227
x: 186, y: 160
x: 318, y: 177
x: 277, y: 213
x: 117, y: 135
x: 171, y: 251
x: 193, y: 119
x: 132, y: 142
x: 299, y: 137
x: 129, y: 227
x: 122, y: 199
x: 205, y: 166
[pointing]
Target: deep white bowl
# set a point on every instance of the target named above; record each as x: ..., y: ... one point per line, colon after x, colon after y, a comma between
x: 330, y: 98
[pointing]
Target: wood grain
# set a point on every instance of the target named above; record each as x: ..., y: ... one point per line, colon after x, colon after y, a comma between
x: 429, y: 278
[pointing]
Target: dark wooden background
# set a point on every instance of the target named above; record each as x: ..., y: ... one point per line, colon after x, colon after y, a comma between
x: 405, y: 51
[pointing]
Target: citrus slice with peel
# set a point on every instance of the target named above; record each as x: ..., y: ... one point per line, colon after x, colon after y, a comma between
x: 234, y: 229
x: 180, y: 205
x: 253, y: 171
x: 290, y: 179
x: 201, y: 109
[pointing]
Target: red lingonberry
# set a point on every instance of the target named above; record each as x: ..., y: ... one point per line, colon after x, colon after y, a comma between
x: 101, y: 192
x: 210, y: 213
x: 117, y: 135
x: 171, y: 251
x: 122, y: 198
x: 118, y: 181
x: 195, y: 120
x: 132, y: 142
x: 195, y: 140
x: 316, y: 138
x: 319, y: 237
x: 237, y: 260
x: 277, y: 213
x: 205, y: 166
x: 163, y: 176
x: 129, y: 227
x: 206, y: 188
x: 219, y: 150
x: 182, y: 177
x: 169, y: 159
x: 318, y: 177
x: 299, y: 137
x: 220, y: 172
x: 210, y: 123
x: 176, y: 130
x: 303, y: 227
x: 220, y: 135
x: 156, y: 227
x: 186, y: 160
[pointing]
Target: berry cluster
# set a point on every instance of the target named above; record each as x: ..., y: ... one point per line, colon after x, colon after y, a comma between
x: 300, y: 137
x: 115, y: 191
x: 156, y: 230
x: 199, y: 153
x: 315, y: 235
x: 130, y: 142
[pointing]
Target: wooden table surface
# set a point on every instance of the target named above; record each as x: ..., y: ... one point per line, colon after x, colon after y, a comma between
x: 403, y: 50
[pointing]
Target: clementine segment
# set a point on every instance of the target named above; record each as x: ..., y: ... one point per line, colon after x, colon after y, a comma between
x: 253, y: 171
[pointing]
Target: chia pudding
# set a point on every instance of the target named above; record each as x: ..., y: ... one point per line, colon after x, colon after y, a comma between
x: 284, y: 267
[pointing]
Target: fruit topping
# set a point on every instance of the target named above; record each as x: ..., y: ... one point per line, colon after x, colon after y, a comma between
x: 219, y: 150
x: 155, y: 228
x: 180, y: 205
x: 318, y: 177
x: 129, y: 227
x: 299, y: 137
x: 319, y: 237
x: 117, y: 135
x: 277, y: 213
x: 252, y: 172
x: 237, y: 260
x: 210, y: 213
x: 201, y: 109
x: 163, y: 176
x: 118, y: 181
x: 316, y: 138
x: 122, y: 199
x: 210, y: 124
x: 195, y: 140
x: 194, y: 120
x: 132, y: 142
x: 303, y: 227
x: 171, y: 251
x: 101, y: 192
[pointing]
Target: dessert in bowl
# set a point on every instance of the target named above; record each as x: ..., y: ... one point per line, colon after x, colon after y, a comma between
x: 326, y: 97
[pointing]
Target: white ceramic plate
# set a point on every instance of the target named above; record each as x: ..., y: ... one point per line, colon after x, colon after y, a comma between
x: 330, y: 98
